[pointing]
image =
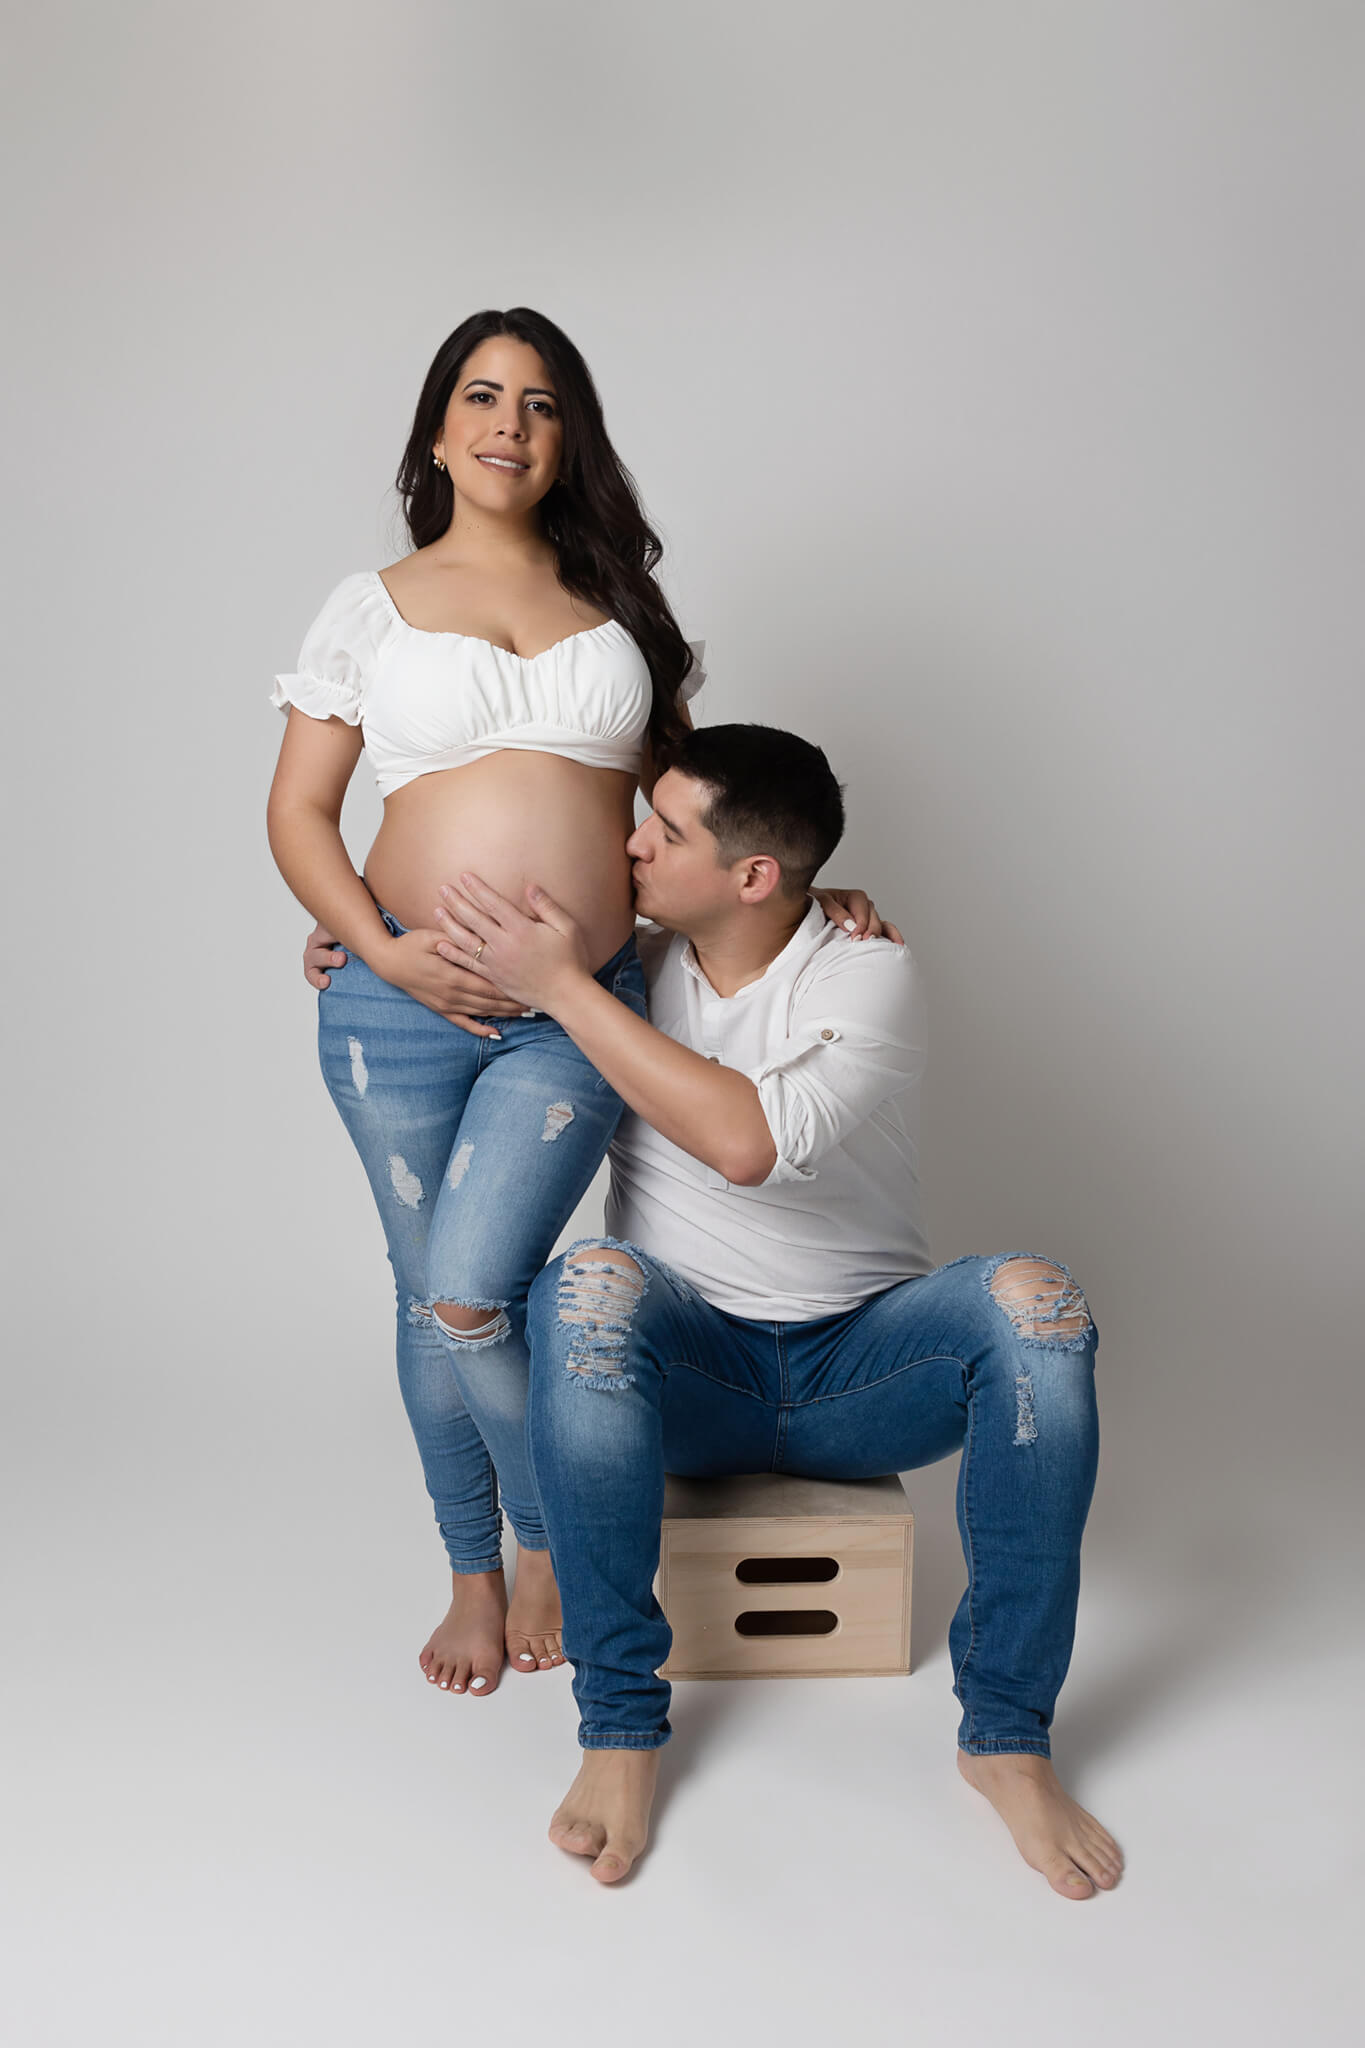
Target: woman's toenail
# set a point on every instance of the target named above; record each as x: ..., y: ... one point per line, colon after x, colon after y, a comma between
x: 444, y: 1683
x: 476, y: 1683
x: 526, y: 1658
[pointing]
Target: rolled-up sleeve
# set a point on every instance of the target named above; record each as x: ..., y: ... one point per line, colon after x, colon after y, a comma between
x: 856, y: 1039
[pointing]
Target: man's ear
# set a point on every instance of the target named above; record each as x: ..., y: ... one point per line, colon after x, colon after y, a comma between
x: 762, y: 874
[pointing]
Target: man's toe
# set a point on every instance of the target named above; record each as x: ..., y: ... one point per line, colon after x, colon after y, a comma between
x: 578, y: 1837
x: 1069, y: 1879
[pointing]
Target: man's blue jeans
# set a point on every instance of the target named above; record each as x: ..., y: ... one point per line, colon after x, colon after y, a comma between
x: 633, y: 1374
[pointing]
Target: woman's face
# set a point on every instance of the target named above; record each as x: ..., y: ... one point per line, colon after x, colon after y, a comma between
x: 503, y: 436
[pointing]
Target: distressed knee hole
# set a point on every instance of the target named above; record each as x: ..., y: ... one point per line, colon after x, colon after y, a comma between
x: 1042, y: 1301
x: 599, y: 1292
x: 472, y: 1323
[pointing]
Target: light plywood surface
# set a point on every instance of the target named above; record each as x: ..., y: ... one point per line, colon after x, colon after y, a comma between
x: 711, y: 1526
x: 747, y: 1494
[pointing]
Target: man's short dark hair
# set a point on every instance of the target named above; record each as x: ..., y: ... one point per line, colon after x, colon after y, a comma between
x: 766, y: 792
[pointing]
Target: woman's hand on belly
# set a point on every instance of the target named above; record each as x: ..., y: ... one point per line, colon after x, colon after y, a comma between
x: 412, y: 963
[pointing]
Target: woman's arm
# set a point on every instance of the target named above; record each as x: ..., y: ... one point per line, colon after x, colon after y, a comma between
x: 303, y: 819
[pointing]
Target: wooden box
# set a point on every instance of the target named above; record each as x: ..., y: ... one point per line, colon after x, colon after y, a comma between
x: 765, y: 1576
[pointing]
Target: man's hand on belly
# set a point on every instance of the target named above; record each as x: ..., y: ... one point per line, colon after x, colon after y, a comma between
x: 533, y: 959
x: 708, y: 1110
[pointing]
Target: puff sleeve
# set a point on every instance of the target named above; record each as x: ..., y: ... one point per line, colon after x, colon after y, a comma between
x: 696, y: 675
x: 338, y: 655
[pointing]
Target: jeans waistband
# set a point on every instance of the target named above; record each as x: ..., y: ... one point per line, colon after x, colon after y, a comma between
x: 606, y: 973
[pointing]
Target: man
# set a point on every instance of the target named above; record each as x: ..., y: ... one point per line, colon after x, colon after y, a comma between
x: 764, y: 1300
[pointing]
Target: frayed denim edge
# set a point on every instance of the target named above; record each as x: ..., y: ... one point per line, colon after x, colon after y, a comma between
x: 1082, y: 1339
x: 603, y: 1382
x: 453, y: 1338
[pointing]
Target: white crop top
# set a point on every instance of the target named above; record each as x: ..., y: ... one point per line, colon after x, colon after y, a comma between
x: 437, y: 700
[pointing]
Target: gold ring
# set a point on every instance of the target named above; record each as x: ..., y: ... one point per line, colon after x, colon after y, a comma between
x: 474, y: 956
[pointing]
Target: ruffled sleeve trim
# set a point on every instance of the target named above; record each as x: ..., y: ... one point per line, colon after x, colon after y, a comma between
x: 696, y: 675
x: 340, y: 651
x: 317, y: 697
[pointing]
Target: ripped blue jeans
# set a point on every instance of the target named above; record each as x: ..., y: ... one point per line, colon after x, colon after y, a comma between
x: 634, y: 1374
x: 478, y: 1151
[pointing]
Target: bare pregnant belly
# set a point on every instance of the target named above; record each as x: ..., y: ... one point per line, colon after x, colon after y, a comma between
x: 513, y: 819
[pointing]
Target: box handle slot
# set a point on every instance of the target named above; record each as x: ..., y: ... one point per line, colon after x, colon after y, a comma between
x: 802, y: 1621
x: 786, y: 1571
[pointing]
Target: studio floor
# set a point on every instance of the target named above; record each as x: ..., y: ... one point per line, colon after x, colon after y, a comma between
x: 239, y: 1818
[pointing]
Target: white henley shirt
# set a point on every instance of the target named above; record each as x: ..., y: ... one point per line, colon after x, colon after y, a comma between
x: 832, y: 1035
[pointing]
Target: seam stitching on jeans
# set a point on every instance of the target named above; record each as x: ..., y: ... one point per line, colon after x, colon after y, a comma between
x: 971, y: 1566
x: 912, y: 1365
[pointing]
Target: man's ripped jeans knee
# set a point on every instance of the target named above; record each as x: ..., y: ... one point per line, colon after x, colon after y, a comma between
x: 1047, y: 1312
x: 600, y: 1288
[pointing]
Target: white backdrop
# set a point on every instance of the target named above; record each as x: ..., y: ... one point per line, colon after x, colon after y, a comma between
x: 988, y: 369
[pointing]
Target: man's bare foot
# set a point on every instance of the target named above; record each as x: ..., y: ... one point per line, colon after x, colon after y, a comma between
x: 1051, y: 1832
x: 606, y: 1812
x: 533, y: 1615
x: 465, y: 1651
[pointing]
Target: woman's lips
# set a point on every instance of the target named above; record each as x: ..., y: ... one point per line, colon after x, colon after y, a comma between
x: 504, y: 463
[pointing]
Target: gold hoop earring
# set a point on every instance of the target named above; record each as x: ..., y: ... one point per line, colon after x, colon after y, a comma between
x: 437, y: 460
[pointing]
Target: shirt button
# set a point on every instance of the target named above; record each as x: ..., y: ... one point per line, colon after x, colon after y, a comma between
x: 827, y: 1033
x: 714, y: 1058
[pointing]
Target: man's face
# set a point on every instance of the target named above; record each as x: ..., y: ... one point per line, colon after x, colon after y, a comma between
x: 678, y: 880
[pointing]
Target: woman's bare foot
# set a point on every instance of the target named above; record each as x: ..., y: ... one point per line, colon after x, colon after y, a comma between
x: 606, y: 1812
x: 533, y: 1615
x: 465, y: 1651
x: 1051, y: 1832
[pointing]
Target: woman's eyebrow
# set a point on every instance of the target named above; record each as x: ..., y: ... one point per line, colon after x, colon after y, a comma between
x: 528, y: 390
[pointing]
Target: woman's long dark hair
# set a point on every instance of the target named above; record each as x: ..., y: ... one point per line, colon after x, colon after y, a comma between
x: 607, y: 549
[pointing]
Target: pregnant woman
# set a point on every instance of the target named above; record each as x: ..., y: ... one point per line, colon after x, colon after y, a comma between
x: 506, y: 679
x: 511, y: 679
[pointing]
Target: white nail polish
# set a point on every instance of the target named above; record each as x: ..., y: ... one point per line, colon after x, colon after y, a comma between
x: 476, y: 1683
x: 444, y: 1683
x: 526, y: 1658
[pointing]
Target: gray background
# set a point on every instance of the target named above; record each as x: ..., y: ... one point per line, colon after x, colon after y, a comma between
x: 986, y: 367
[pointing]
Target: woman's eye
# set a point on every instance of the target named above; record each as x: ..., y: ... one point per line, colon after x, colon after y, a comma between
x: 474, y: 396
x: 543, y: 405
